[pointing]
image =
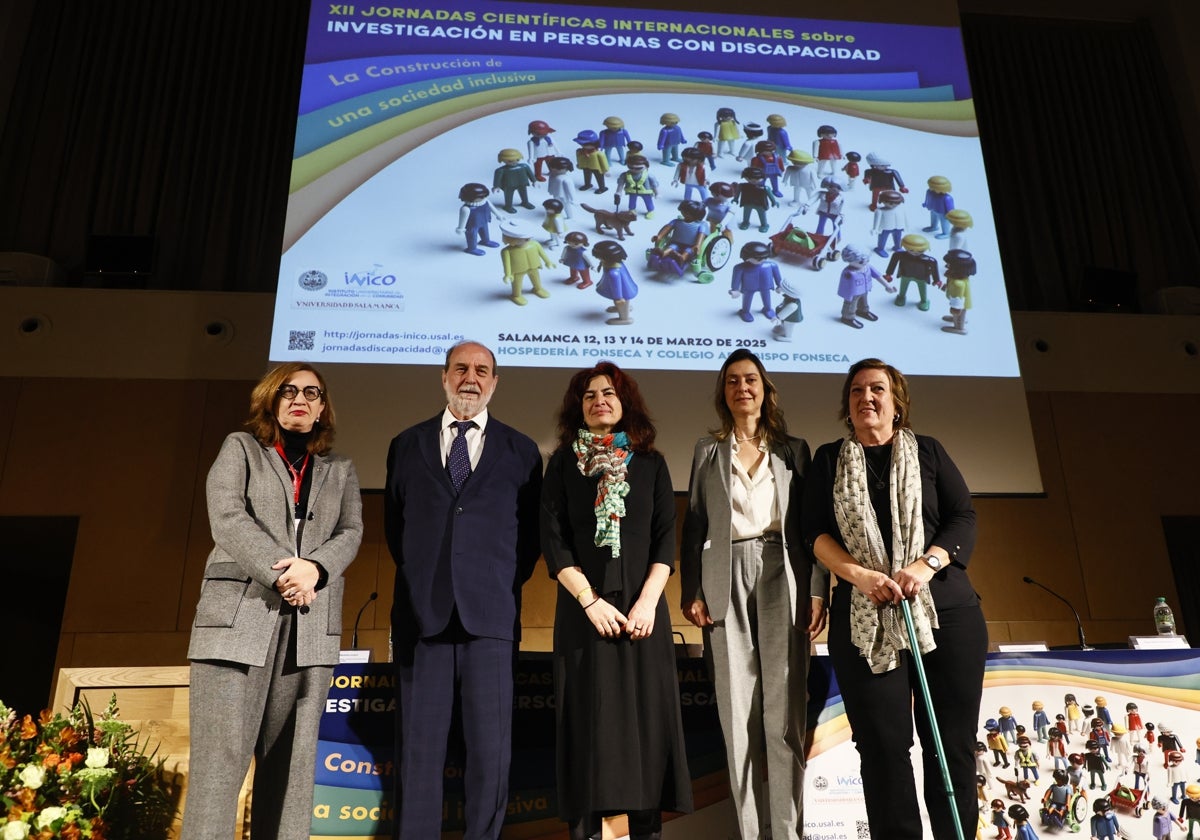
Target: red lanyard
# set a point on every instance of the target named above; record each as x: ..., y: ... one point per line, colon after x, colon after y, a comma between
x: 297, y: 476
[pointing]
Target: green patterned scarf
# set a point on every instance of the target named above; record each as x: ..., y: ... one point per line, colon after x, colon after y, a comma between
x: 608, y: 457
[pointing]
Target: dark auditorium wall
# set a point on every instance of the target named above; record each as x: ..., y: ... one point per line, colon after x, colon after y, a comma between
x: 129, y: 457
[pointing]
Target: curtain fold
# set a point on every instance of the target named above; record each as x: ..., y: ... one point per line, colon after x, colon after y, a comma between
x: 156, y: 119
x: 1083, y: 152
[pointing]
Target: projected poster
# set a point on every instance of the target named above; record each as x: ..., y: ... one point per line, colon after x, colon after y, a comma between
x: 656, y: 188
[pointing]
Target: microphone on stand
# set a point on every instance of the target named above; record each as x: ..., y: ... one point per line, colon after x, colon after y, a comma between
x: 357, y: 618
x: 1083, y: 645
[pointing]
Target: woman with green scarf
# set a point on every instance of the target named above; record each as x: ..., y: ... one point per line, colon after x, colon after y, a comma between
x: 608, y: 535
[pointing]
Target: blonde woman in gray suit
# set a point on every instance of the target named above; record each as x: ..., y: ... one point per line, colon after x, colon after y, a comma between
x: 748, y: 582
x: 286, y: 519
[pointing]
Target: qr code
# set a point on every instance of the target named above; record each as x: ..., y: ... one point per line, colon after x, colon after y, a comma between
x: 862, y: 829
x: 301, y: 339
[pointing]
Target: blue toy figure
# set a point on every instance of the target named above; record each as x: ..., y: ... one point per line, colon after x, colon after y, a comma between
x: 523, y: 257
x: 513, y: 175
x: 561, y: 185
x: 690, y: 173
x: 592, y: 161
x: 756, y: 274
x: 913, y: 265
x: 1020, y: 817
x: 767, y: 158
x: 1041, y: 720
x: 540, y: 146
x: 670, y: 138
x: 890, y: 220
x: 678, y: 242
x: 575, y: 257
x: 726, y: 130
x: 938, y: 202
x: 777, y: 134
x: 753, y: 195
x: 789, y: 313
x: 853, y: 288
x: 718, y: 204
x: 1104, y: 821
x: 474, y: 216
x: 637, y: 181
x: 614, y: 139
x: 615, y: 282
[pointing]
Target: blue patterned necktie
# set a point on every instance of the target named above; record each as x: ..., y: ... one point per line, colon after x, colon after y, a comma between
x: 458, y: 462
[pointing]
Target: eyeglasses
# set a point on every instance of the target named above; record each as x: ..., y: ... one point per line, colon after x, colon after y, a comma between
x: 311, y: 392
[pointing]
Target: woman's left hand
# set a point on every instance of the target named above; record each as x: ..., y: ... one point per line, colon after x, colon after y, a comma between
x: 816, y: 617
x: 640, y: 622
x: 912, y: 577
x: 298, y: 583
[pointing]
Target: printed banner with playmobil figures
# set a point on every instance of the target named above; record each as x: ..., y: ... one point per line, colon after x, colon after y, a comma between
x: 655, y: 188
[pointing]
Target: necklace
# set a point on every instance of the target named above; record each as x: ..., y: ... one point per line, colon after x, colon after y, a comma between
x: 877, y: 475
x: 745, y: 440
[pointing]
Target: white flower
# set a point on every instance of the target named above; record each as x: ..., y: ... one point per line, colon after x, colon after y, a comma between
x: 15, y: 830
x: 32, y: 776
x: 97, y: 757
x: 49, y: 815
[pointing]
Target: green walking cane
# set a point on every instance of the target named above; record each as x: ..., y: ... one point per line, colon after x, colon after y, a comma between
x: 947, y: 785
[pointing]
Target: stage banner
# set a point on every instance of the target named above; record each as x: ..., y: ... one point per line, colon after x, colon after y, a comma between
x: 356, y: 765
x: 1147, y: 701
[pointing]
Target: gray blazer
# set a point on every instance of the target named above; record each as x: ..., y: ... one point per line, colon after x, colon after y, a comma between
x: 250, y: 511
x: 706, y: 548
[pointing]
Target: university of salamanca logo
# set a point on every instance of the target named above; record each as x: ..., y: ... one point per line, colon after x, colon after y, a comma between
x: 820, y: 783
x: 313, y: 281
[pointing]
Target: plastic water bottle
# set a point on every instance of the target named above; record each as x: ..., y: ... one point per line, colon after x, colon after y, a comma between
x: 1164, y: 619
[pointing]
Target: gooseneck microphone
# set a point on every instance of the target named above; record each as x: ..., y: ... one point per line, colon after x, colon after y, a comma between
x: 374, y: 595
x: 1083, y: 645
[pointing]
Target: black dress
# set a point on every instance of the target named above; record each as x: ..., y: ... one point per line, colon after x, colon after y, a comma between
x: 620, y: 741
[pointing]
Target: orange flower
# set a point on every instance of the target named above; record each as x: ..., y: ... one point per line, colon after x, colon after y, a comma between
x: 70, y: 831
x: 46, y: 716
x: 25, y: 798
x: 51, y: 761
x: 28, y: 728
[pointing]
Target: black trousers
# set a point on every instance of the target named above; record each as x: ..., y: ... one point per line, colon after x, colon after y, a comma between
x: 877, y: 709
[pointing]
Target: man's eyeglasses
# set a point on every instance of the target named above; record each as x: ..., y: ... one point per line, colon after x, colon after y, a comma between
x: 311, y: 392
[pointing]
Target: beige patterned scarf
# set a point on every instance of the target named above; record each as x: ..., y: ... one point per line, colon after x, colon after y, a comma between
x: 879, y: 632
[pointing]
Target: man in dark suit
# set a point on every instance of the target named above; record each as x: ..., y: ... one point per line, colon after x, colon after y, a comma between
x: 461, y: 516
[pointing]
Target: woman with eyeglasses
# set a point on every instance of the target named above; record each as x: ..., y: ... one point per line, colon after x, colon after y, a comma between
x: 286, y: 519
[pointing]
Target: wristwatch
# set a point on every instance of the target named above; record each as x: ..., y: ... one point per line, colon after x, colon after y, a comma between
x: 933, y: 561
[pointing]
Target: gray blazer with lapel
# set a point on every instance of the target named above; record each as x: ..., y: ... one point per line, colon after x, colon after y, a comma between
x: 250, y: 511
x: 706, y: 548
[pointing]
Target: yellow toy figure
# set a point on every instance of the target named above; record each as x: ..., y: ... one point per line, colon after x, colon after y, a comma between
x: 522, y: 255
x: 960, y: 266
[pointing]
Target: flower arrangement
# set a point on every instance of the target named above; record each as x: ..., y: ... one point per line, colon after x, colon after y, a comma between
x: 80, y: 776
